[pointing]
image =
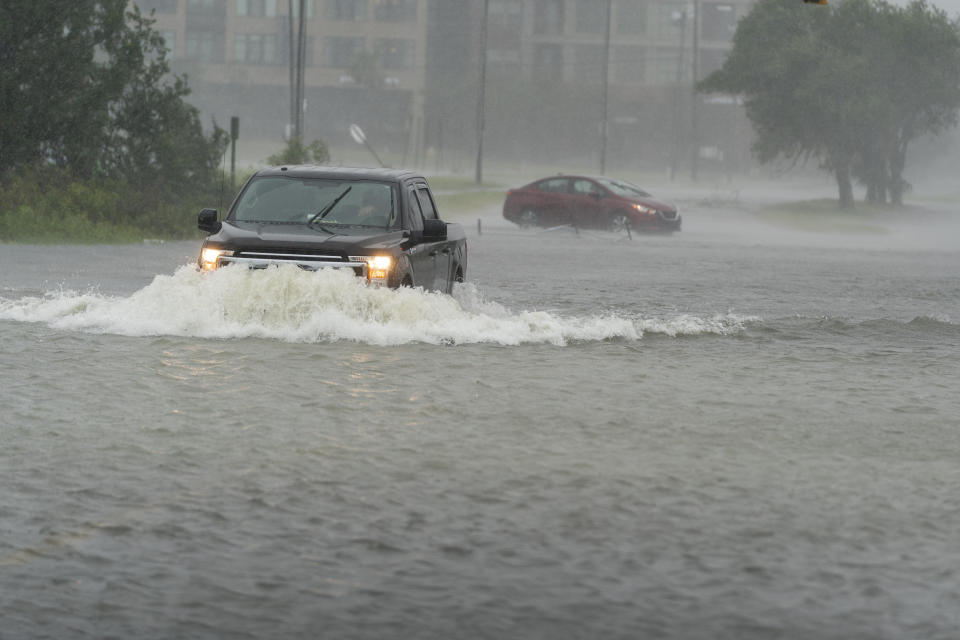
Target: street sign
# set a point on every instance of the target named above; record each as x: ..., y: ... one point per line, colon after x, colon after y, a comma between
x: 361, y: 138
x: 357, y: 134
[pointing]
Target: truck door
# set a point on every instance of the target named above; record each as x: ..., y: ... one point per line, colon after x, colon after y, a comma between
x: 424, y: 273
x: 439, y: 250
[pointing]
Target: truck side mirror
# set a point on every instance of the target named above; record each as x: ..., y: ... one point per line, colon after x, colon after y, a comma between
x: 434, y: 230
x: 207, y: 221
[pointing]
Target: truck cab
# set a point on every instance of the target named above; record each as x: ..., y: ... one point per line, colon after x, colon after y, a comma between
x: 383, y: 224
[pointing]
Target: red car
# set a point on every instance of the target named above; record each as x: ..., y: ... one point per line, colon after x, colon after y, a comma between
x: 585, y: 201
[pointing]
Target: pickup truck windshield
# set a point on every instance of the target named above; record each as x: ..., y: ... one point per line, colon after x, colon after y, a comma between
x: 296, y: 200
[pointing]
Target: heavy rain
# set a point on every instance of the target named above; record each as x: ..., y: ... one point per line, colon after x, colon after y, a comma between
x: 479, y: 319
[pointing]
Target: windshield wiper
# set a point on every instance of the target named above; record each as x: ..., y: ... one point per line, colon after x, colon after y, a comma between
x: 327, y: 209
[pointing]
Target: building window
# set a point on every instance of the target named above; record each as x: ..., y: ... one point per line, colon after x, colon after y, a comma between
x: 632, y: 17
x: 672, y: 17
x: 591, y: 16
x: 169, y: 42
x: 339, y: 51
x: 588, y: 63
x: 296, y: 9
x: 503, y: 59
x: 668, y: 67
x: 548, y: 17
x: 628, y: 64
x: 548, y: 62
x: 395, y: 10
x: 283, y: 53
x: 353, y: 10
x: 718, y: 22
x: 160, y: 6
x: 204, y: 46
x: 257, y: 8
x: 394, y: 53
x: 505, y: 13
x: 216, y: 8
x: 255, y: 48
x: 710, y: 61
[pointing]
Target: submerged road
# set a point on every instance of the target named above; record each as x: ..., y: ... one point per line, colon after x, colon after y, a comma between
x: 741, y: 431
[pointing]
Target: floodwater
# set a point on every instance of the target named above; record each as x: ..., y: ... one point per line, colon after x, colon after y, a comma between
x: 739, y: 431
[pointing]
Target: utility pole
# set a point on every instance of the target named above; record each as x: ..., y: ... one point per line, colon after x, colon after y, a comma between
x: 680, y: 19
x: 606, y: 89
x: 481, y: 117
x: 301, y: 65
x: 293, y: 62
x: 694, y: 98
x: 234, y: 134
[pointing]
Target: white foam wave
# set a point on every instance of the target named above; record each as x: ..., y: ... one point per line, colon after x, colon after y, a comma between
x: 936, y: 318
x: 298, y: 306
x: 688, y: 325
x: 293, y: 305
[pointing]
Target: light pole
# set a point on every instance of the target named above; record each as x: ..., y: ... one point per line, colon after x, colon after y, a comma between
x: 481, y: 117
x: 679, y: 18
x: 694, y: 111
x: 301, y: 64
x: 293, y: 62
x: 605, y: 133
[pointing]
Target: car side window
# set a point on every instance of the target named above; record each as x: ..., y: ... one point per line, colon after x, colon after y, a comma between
x: 429, y: 212
x: 554, y: 185
x: 584, y: 187
x: 416, y: 213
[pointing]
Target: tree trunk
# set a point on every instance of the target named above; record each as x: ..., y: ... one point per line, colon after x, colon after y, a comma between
x: 874, y: 174
x: 842, y: 173
x: 897, y: 184
x: 881, y: 184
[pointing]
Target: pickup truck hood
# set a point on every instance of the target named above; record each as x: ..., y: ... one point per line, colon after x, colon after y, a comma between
x: 252, y: 236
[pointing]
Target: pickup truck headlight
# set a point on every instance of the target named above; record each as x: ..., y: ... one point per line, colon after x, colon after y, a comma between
x: 209, y: 258
x: 378, y: 267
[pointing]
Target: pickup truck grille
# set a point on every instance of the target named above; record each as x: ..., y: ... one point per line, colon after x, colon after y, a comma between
x: 264, y: 258
x: 270, y: 255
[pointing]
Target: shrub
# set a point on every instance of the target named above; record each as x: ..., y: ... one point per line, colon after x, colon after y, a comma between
x: 49, y: 205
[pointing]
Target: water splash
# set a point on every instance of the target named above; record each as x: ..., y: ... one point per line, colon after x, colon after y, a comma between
x: 293, y: 305
x: 689, y: 325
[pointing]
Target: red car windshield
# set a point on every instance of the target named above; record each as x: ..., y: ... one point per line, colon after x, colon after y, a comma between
x: 624, y: 189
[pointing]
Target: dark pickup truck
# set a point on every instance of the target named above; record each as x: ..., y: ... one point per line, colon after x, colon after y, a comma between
x: 381, y: 223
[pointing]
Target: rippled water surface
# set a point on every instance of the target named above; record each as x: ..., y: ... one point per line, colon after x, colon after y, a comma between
x: 735, y: 432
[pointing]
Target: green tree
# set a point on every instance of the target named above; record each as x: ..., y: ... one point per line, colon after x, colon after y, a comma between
x: 850, y: 85
x: 295, y: 153
x: 921, y: 74
x: 85, y: 86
